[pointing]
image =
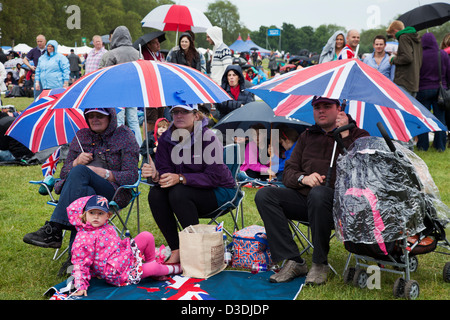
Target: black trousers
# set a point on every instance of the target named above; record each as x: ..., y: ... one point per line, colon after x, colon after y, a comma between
x: 185, y: 203
x: 277, y: 205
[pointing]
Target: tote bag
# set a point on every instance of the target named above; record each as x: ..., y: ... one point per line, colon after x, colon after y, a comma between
x: 201, y: 251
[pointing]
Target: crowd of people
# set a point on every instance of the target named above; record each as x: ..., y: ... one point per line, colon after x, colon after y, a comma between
x: 106, y: 154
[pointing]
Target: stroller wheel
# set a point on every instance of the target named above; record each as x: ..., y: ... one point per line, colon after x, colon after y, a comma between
x: 413, y: 264
x: 399, y: 288
x: 348, y: 275
x: 411, y: 289
x: 446, y: 272
x: 360, y: 278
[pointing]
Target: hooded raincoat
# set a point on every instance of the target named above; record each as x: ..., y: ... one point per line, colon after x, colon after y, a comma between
x: 329, y: 50
x: 98, y: 251
x: 222, y: 54
x: 244, y: 95
x: 52, y: 70
x: 122, y: 49
x: 119, y: 149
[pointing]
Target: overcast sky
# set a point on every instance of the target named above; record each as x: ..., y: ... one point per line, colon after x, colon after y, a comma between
x: 351, y: 14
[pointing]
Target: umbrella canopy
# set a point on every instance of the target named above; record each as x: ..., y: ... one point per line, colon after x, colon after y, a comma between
x: 40, y: 126
x: 256, y: 112
x: 426, y: 16
x: 173, y: 17
x: 143, y: 40
x: 400, y: 125
x: 141, y: 84
x: 348, y: 79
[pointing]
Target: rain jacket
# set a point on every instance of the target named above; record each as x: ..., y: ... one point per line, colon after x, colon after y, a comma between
x: 429, y: 73
x: 121, y: 151
x: 222, y: 54
x: 52, y: 70
x: 329, y: 50
x: 244, y: 95
x: 312, y: 153
x: 408, y: 60
x: 98, y: 251
x: 122, y: 49
x: 205, y: 170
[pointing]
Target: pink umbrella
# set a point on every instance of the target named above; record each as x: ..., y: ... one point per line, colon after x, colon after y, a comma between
x: 173, y: 17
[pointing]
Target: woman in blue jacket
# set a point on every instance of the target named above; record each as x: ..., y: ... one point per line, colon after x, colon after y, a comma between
x: 53, y: 68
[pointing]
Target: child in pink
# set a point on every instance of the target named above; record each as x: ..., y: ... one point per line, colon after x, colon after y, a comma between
x: 98, y: 251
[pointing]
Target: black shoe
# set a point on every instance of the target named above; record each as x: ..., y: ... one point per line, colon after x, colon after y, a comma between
x: 49, y: 236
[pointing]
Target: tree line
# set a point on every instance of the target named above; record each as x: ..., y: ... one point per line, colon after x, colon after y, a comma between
x: 70, y: 21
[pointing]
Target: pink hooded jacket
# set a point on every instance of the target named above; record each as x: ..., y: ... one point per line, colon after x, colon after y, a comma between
x: 98, y: 252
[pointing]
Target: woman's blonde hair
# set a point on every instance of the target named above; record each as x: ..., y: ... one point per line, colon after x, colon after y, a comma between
x: 395, y: 25
x: 446, y: 41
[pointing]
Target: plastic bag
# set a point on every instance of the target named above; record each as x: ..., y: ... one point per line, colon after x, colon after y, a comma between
x: 380, y: 196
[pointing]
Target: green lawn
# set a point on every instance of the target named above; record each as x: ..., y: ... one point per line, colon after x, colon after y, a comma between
x: 27, y: 271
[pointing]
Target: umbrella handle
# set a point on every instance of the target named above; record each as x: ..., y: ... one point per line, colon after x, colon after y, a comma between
x: 386, y: 136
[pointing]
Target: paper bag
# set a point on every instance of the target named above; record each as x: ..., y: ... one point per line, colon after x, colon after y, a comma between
x: 201, y: 251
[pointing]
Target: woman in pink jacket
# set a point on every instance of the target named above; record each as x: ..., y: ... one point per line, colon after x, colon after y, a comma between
x: 99, y: 252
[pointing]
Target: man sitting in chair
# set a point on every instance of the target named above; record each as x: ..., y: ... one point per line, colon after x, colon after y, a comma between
x: 306, y: 197
x: 101, y: 158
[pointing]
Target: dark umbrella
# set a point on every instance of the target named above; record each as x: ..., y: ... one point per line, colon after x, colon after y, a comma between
x: 257, y: 112
x: 143, y: 40
x: 426, y: 16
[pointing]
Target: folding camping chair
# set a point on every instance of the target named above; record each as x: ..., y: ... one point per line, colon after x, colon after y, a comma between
x: 47, y: 189
x: 231, y: 157
x: 299, y: 234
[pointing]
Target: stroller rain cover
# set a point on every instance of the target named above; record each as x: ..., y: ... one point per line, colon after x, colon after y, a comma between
x: 379, y: 195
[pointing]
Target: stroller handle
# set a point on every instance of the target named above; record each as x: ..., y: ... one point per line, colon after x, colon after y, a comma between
x: 337, y: 136
x: 386, y: 136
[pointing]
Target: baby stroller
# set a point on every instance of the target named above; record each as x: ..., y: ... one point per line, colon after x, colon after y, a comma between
x: 387, y: 210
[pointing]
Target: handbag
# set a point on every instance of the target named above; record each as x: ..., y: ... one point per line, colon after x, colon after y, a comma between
x: 250, y: 246
x: 201, y: 251
x: 443, y: 99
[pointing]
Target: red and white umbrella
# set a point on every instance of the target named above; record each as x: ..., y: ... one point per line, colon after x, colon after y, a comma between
x: 174, y: 17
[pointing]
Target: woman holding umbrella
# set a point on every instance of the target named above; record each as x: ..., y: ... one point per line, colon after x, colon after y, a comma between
x: 185, y: 188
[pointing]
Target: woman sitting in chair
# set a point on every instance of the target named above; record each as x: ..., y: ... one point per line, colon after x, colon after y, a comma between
x: 189, y: 185
x: 101, y: 158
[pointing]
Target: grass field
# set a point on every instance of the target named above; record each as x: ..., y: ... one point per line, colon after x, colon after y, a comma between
x: 27, y: 271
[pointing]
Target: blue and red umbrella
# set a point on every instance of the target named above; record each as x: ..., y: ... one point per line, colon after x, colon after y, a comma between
x: 400, y: 125
x: 40, y: 126
x: 141, y: 83
x: 372, y: 97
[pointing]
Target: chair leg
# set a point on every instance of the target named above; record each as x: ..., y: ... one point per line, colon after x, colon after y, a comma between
x: 58, y: 255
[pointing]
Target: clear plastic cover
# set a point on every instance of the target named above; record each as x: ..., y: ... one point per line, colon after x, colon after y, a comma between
x: 382, y: 196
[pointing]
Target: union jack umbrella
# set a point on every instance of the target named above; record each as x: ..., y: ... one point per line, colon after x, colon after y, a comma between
x: 40, y: 126
x: 141, y: 83
x: 370, y: 95
x: 400, y: 125
x: 176, y: 18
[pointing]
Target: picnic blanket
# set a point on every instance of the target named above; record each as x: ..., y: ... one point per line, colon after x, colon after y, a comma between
x: 227, y: 285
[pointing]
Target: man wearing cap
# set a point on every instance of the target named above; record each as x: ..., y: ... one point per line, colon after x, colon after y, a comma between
x: 101, y: 158
x: 306, y: 197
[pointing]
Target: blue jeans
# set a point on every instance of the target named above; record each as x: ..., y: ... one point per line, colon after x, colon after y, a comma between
x: 81, y: 182
x: 132, y: 121
x: 429, y: 99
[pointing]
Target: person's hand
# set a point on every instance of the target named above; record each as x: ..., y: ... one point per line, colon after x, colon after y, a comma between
x: 168, y: 180
x: 83, y: 158
x: 313, y: 180
x: 149, y: 171
x: 80, y: 293
x: 341, y: 121
x: 38, y: 87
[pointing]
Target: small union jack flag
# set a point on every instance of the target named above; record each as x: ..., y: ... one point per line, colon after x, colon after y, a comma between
x: 49, y: 166
x: 102, y: 201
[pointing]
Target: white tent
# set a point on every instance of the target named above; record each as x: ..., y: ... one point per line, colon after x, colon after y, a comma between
x: 22, y: 47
